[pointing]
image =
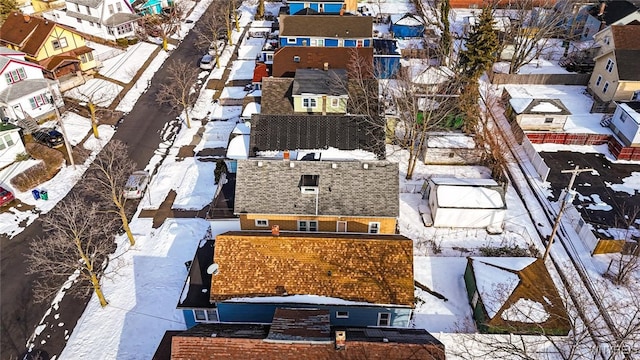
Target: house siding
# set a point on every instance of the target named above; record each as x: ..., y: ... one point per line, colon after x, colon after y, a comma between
x: 628, y: 131
x: 386, y: 65
x: 607, y: 77
x: 340, y: 109
x: 358, y: 316
x: 325, y: 223
x: 537, y: 122
x: 294, y: 7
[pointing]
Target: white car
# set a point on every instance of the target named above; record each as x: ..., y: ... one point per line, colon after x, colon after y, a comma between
x: 136, y: 184
x: 206, y: 63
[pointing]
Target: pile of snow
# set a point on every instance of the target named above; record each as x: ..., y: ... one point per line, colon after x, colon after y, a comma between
x: 526, y: 311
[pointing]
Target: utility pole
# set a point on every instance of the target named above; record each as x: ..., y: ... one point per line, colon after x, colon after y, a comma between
x: 64, y: 133
x: 568, y: 198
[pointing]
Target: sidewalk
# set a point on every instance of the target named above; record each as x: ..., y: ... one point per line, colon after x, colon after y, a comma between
x: 165, y: 210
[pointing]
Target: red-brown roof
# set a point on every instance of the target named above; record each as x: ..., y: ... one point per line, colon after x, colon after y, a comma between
x: 27, y: 32
x: 375, y: 269
x: 626, y: 37
x: 311, y: 57
x: 57, y: 61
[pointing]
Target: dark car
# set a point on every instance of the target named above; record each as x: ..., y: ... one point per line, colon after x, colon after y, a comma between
x: 50, y: 137
x: 6, y: 196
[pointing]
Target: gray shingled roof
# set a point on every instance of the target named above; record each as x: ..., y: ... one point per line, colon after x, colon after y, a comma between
x: 6, y: 51
x: 346, y: 190
x: 90, y: 3
x: 81, y: 16
x: 22, y: 88
x: 316, y: 81
x: 310, y: 132
x: 120, y: 18
x: 276, y: 96
x: 350, y: 27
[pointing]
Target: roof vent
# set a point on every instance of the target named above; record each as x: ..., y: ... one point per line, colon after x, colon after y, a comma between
x: 334, y: 166
x: 213, y: 269
x: 365, y: 166
x: 260, y: 164
x: 292, y: 165
x: 27, y: 18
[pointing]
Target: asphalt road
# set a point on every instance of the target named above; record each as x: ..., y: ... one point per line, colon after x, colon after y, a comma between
x: 142, y: 130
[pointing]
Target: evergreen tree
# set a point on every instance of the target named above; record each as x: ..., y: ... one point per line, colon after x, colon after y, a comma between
x: 481, y: 47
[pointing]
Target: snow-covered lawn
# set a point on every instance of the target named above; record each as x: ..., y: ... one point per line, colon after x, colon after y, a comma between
x: 125, y: 66
x: 100, y: 92
x: 143, y: 290
x: 216, y: 135
x: 242, y: 70
x: 76, y: 127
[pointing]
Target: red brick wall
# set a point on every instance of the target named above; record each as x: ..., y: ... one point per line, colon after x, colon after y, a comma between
x: 617, y: 149
x: 200, y: 348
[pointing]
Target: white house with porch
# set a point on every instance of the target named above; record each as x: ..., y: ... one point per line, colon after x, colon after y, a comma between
x: 107, y: 19
x: 10, y: 143
x: 24, y: 91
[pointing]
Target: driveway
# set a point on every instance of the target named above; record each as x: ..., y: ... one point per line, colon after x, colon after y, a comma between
x: 603, y: 198
x: 142, y: 130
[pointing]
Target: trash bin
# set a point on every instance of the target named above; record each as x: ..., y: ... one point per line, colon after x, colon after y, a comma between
x: 44, y: 195
x: 36, y: 194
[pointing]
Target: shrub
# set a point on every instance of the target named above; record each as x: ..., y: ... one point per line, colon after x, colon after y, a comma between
x: 52, y: 161
x: 23, y: 156
x: 221, y: 167
x: 132, y: 41
x: 122, y: 42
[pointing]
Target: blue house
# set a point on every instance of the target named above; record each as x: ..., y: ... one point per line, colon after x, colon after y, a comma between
x: 360, y: 279
x: 407, y: 26
x: 325, y: 6
x: 150, y: 7
x: 326, y: 30
x: 386, y: 57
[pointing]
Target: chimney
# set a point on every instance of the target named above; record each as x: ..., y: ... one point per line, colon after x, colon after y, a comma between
x: 285, y: 155
x: 324, y: 104
x: 603, y: 6
x: 275, y: 230
x: 342, y: 11
x: 27, y: 18
x: 325, y: 66
x: 341, y: 340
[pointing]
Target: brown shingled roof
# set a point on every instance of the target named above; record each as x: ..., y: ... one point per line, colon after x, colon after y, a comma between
x: 352, y: 27
x: 276, y: 96
x: 27, y: 32
x: 313, y: 57
x: 376, y: 269
x: 626, y: 37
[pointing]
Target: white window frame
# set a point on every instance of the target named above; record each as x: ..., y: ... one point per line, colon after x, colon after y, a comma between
x: 609, y: 66
x: 262, y: 223
x: 206, y: 313
x: 306, y: 225
x: 269, y: 57
x: 38, y: 101
x: 309, y: 102
x: 111, y: 9
x: 59, y: 43
x: 292, y: 41
x: 342, y: 314
x: 124, y: 28
x: 338, y: 226
x: 388, y: 320
x: 374, y: 228
x: 548, y: 120
x: 605, y: 87
x: 335, y: 102
x: 119, y: 7
x: 599, y: 80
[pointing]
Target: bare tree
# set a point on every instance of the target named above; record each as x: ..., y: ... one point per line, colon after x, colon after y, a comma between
x: 260, y: 10
x: 211, y: 32
x: 94, y: 99
x: 105, y: 182
x: 78, y: 242
x: 179, y: 92
x: 533, y: 26
x: 162, y: 25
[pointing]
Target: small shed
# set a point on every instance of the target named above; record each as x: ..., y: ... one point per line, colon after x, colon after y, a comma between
x: 514, y: 295
x: 407, y: 26
x: 451, y: 149
x: 538, y: 114
x: 466, y: 203
x: 625, y: 123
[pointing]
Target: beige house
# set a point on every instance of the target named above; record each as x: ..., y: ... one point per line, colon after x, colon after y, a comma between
x: 616, y: 75
x: 538, y: 114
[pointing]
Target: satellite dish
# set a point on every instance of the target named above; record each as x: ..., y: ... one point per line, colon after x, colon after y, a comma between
x: 213, y: 269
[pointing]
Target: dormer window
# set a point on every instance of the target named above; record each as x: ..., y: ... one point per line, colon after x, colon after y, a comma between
x: 296, y: 59
x: 309, y: 184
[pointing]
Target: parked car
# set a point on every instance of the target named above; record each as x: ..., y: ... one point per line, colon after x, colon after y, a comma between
x: 206, y: 63
x: 136, y: 184
x: 50, y: 137
x: 6, y: 196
